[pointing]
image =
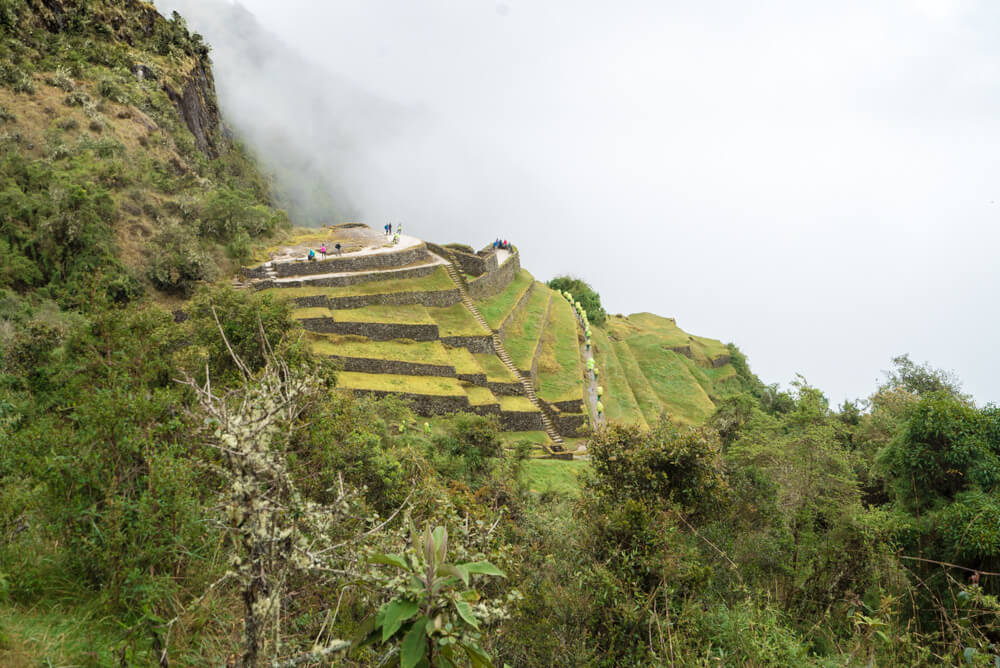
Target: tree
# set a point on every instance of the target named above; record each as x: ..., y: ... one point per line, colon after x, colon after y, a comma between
x: 588, y: 298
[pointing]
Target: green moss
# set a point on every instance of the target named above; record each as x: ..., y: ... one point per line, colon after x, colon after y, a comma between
x: 560, y: 375
x: 521, y: 337
x: 495, y: 309
x: 430, y: 385
x: 517, y: 404
x: 455, y: 320
x: 420, y: 352
x: 409, y: 314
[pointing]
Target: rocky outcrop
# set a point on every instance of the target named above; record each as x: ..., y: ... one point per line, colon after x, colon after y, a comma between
x: 196, y: 103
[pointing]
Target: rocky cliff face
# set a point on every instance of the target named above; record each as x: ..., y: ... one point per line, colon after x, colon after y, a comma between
x: 197, y: 106
x: 134, y: 22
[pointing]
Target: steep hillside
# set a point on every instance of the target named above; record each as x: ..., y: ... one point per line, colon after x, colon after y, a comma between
x: 649, y: 366
x: 116, y: 173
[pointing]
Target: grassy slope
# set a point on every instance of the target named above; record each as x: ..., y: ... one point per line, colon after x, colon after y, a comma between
x: 421, y: 352
x: 494, y: 368
x: 559, y: 373
x: 455, y: 320
x: 520, y: 404
x: 522, y: 335
x: 480, y: 396
x: 620, y: 404
x: 409, y: 314
x: 435, y: 281
x: 495, y: 309
x: 433, y: 385
x: 553, y: 475
x: 463, y: 361
x: 640, y: 371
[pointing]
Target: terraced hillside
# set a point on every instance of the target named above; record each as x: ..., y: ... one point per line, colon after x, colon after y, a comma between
x: 650, y: 365
x: 453, y: 330
x: 397, y: 317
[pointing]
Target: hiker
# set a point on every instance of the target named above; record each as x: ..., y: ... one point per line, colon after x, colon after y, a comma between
x: 395, y: 237
x: 385, y: 228
x: 312, y: 255
x: 590, y: 364
x: 600, y: 391
x: 399, y: 228
x: 337, y: 246
x: 322, y: 250
x: 600, y: 409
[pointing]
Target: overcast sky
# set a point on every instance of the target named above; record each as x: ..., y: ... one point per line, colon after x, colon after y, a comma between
x: 814, y: 181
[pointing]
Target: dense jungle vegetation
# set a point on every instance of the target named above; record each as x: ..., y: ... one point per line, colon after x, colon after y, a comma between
x: 194, y: 493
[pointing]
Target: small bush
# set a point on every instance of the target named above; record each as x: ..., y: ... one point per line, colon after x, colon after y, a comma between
x: 96, y: 126
x: 61, y: 80
x: 6, y: 116
x: 76, y: 99
x: 177, y: 261
x: 68, y: 124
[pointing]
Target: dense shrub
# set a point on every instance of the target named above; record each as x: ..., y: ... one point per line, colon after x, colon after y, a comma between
x: 583, y: 293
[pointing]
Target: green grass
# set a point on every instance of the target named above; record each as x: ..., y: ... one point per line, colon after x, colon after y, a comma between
x: 432, y: 385
x: 620, y: 404
x: 495, y: 309
x: 517, y: 404
x: 433, y: 282
x: 480, y: 396
x: 421, y: 352
x: 560, y: 376
x: 522, y: 335
x: 645, y: 396
x: 455, y: 320
x: 494, y: 368
x: 538, y: 438
x: 409, y: 314
x: 312, y: 312
x: 463, y: 361
x: 554, y: 475
x: 678, y: 390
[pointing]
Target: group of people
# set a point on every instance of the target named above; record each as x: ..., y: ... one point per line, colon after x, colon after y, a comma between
x: 322, y: 251
x: 502, y: 244
x: 388, y: 229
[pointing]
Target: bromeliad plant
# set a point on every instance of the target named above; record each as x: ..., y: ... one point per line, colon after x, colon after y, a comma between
x: 435, y: 615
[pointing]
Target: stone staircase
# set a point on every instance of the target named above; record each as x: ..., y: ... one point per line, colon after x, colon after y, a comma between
x: 529, y: 389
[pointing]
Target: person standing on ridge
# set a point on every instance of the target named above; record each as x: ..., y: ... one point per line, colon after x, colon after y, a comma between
x: 339, y: 251
x: 322, y: 250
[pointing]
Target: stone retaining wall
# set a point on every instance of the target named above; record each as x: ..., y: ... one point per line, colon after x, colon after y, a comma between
x: 487, y: 409
x: 376, y: 331
x: 351, y: 279
x: 426, y: 405
x: 721, y: 361
x: 438, y: 298
x: 521, y: 421
x: 569, y: 406
x: 335, y: 265
x: 506, y: 389
x: 567, y: 424
x: 683, y: 350
x: 494, y: 282
x: 370, y: 365
x: 474, y: 344
x: 478, y: 379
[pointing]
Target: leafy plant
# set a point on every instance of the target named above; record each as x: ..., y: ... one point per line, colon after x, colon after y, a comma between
x: 435, y: 614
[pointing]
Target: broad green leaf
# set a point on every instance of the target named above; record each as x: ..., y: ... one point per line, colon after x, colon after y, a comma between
x: 428, y: 545
x: 393, y: 614
x: 414, y: 645
x: 390, y: 560
x: 457, y: 571
x: 441, y: 542
x: 367, y: 633
x: 466, y: 613
x: 477, y: 656
x: 484, y: 568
